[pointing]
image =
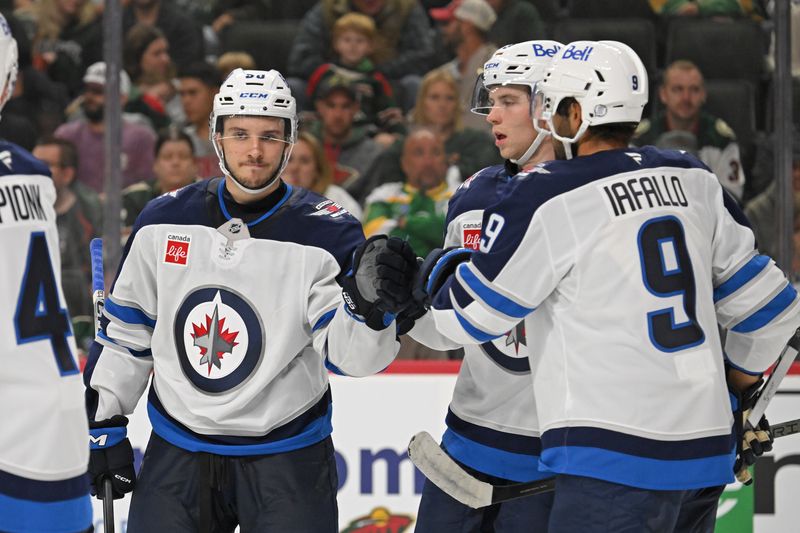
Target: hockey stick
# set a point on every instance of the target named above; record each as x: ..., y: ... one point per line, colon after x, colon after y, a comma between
x: 98, y: 301
x: 780, y: 370
x: 446, y: 474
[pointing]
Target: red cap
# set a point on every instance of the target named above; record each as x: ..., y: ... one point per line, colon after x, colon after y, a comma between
x: 444, y: 13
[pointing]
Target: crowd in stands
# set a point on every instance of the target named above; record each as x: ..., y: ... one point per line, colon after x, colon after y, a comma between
x: 384, y: 89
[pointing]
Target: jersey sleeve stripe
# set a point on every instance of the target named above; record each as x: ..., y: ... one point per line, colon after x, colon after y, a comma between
x: 105, y: 340
x: 767, y: 313
x: 129, y: 315
x: 324, y: 320
x: 474, y: 332
x: 742, y: 276
x: 492, y: 298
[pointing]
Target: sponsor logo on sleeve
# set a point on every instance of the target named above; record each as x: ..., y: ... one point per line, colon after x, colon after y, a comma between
x: 177, y: 249
x: 471, y: 235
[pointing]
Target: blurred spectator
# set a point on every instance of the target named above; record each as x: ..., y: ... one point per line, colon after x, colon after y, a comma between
x: 36, y: 103
x: 795, y: 40
x: 67, y: 36
x: 683, y: 95
x: 762, y: 210
x: 197, y: 86
x: 438, y: 108
x: 402, y: 48
x: 174, y: 168
x: 348, y: 147
x: 308, y: 168
x: 87, y: 134
x: 230, y: 61
x: 353, y: 39
x: 226, y: 12
x: 184, y: 34
x: 145, y: 58
x: 77, y: 217
x: 464, y: 24
x: 414, y: 209
x: 697, y: 8
x: 517, y: 21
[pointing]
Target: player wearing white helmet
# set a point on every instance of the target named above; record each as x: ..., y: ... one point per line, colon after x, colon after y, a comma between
x: 623, y: 263
x: 492, y: 428
x: 43, y: 452
x: 229, y: 294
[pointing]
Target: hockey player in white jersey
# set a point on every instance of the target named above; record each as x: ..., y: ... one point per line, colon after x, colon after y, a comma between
x: 622, y: 262
x: 492, y: 428
x: 43, y: 451
x: 227, y: 292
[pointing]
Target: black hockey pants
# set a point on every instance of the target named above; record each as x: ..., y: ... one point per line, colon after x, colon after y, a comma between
x: 180, y: 491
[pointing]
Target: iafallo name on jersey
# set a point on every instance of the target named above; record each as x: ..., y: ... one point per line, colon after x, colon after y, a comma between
x: 20, y: 202
x: 633, y: 194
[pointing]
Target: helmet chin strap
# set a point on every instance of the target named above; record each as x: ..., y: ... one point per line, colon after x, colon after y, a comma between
x: 567, y: 142
x: 524, y: 158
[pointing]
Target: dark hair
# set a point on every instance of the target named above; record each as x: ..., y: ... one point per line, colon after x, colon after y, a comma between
x: 617, y: 133
x: 200, y: 70
x: 138, y: 38
x: 68, y: 154
x: 172, y: 134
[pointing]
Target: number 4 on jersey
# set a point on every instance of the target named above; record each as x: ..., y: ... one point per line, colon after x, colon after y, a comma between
x: 39, y: 314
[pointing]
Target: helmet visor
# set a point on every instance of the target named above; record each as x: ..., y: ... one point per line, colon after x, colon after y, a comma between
x: 486, y: 98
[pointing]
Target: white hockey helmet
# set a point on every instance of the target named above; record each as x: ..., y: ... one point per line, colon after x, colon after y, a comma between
x: 261, y: 93
x: 8, y: 62
x: 522, y: 63
x: 606, y: 78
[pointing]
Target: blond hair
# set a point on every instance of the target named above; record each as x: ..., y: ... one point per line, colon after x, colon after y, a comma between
x: 418, y: 116
x: 230, y: 61
x: 321, y: 163
x: 50, y: 21
x: 355, y: 22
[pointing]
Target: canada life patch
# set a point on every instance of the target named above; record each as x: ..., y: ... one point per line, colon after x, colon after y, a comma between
x: 471, y: 235
x: 177, y: 249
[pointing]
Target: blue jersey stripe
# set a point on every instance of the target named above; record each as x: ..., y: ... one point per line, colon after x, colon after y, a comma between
x: 640, y: 446
x: 492, y: 461
x: 474, y: 332
x: 311, y: 434
x: 766, y: 314
x: 129, y: 315
x: 324, y: 320
x: 67, y: 515
x: 749, y: 271
x: 510, y: 442
x: 23, y: 488
x: 493, y: 298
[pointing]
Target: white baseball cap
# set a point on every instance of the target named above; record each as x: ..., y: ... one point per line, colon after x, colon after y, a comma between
x: 477, y: 12
x: 96, y: 73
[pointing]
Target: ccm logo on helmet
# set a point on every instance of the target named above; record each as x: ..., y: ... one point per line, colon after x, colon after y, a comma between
x: 577, y: 55
x: 541, y: 51
x: 491, y: 65
x: 254, y: 96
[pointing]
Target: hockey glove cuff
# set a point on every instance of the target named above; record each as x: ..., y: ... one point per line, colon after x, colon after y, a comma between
x: 753, y: 442
x: 439, y: 265
x: 111, y: 456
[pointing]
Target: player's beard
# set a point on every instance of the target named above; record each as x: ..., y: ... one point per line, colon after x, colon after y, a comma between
x: 560, y: 151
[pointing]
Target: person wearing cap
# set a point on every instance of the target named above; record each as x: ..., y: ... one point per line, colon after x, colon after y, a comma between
x: 87, y: 134
x: 464, y: 25
x: 237, y: 294
x: 348, y: 147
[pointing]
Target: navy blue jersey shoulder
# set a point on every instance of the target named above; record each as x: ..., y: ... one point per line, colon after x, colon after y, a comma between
x: 16, y: 161
x: 309, y: 219
x: 482, y: 189
x: 182, y: 207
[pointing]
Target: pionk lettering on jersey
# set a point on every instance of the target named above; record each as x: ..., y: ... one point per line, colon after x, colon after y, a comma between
x: 20, y: 202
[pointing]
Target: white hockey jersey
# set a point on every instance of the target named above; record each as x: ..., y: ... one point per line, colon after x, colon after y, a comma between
x: 237, y: 324
x: 623, y: 263
x: 43, y: 447
x: 491, y: 423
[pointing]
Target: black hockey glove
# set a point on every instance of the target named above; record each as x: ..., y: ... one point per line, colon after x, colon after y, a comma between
x: 753, y: 442
x: 439, y: 265
x: 111, y: 456
x: 379, y: 282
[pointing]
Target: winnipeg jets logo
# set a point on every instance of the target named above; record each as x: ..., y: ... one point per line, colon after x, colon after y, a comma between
x: 5, y: 157
x: 214, y: 341
x: 516, y: 336
x: 636, y: 157
x: 219, y: 338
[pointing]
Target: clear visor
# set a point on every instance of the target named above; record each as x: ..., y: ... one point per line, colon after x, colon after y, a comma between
x: 540, y: 115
